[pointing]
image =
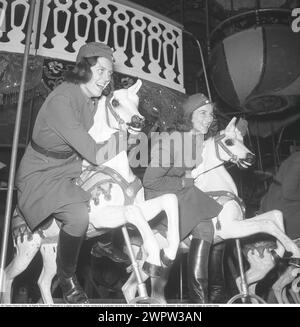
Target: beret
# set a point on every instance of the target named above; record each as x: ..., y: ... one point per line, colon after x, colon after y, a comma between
x: 194, y: 102
x: 95, y: 49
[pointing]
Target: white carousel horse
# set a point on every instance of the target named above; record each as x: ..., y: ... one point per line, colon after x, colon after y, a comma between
x: 117, y: 199
x: 211, y: 176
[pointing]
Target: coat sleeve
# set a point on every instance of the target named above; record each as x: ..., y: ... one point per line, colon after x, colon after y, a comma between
x: 61, y: 118
x: 291, y: 182
x: 157, y: 178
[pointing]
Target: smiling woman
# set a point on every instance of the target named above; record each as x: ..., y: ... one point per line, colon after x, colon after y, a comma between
x: 196, y: 209
x: 52, y: 160
x: 101, y: 76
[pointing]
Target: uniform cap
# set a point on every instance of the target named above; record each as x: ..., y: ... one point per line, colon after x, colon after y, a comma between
x: 194, y: 102
x: 95, y: 49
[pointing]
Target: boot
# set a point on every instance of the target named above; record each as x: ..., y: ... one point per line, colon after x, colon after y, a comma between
x: 67, y: 255
x: 198, y: 270
x: 217, y: 290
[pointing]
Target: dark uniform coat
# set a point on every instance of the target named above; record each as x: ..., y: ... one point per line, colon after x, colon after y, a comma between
x: 284, y: 194
x: 194, y: 205
x: 45, y: 184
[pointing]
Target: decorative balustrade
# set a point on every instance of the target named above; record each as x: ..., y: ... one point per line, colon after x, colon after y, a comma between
x: 146, y: 44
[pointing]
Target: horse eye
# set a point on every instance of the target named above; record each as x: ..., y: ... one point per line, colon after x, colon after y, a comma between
x: 229, y: 142
x: 115, y: 103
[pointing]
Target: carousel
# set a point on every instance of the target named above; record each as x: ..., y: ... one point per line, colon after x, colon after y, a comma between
x: 244, y: 58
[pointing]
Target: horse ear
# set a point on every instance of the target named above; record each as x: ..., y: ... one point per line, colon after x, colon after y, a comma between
x: 231, y: 126
x: 135, y: 87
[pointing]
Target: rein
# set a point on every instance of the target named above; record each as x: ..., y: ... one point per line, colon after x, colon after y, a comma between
x: 233, y: 157
x: 206, y: 171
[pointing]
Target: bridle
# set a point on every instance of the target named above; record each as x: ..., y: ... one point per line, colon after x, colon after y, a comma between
x: 109, y: 108
x: 218, y: 143
x: 233, y: 158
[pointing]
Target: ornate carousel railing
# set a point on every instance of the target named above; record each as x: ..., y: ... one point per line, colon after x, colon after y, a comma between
x: 146, y: 44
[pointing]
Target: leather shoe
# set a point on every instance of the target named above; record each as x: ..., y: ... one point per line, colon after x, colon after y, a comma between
x: 108, y: 250
x: 72, y: 291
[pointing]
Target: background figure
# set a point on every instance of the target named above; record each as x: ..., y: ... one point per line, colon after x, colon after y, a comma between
x: 53, y: 160
x: 196, y: 209
x: 284, y: 194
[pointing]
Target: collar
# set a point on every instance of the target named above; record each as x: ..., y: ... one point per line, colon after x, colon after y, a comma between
x: 86, y: 98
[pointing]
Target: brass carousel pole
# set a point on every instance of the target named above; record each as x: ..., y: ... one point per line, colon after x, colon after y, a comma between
x: 12, y: 168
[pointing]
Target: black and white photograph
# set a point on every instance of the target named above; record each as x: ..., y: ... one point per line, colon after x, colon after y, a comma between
x: 150, y: 158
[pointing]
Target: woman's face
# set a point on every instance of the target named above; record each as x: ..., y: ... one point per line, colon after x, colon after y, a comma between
x: 101, y: 76
x: 202, y: 118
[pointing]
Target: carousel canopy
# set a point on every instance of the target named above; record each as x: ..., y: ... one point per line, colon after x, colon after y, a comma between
x: 257, y: 70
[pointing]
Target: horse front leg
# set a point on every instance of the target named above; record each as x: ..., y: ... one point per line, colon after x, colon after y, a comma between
x: 118, y: 216
x: 277, y: 218
x: 48, y: 252
x: 25, y: 252
x: 157, y: 283
x: 264, y: 223
x: 168, y: 203
x: 134, y: 215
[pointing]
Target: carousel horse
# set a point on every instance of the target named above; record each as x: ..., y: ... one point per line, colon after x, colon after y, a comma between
x: 117, y: 198
x: 212, y: 177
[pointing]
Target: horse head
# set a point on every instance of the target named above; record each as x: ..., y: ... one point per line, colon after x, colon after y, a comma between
x: 122, y: 109
x: 230, y: 147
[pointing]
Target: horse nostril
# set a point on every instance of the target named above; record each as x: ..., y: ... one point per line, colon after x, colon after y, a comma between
x: 250, y: 158
x: 137, y: 121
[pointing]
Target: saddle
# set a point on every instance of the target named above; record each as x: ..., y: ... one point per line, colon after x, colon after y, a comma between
x: 223, y: 197
x: 99, y: 180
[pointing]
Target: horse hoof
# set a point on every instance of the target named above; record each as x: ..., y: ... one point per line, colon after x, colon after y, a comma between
x: 294, y: 262
x: 286, y: 258
x: 152, y: 270
x: 165, y: 259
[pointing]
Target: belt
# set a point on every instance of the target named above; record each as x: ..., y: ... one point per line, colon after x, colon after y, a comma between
x: 51, y: 154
